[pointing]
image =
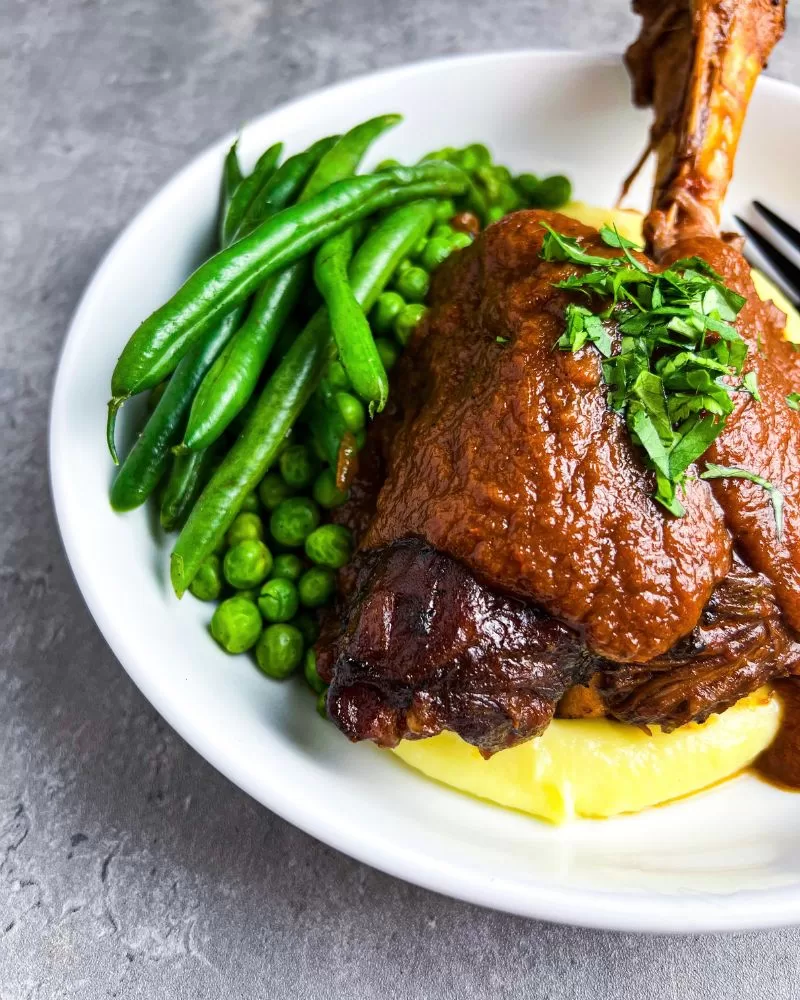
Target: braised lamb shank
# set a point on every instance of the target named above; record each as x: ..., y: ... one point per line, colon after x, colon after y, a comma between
x: 510, y: 548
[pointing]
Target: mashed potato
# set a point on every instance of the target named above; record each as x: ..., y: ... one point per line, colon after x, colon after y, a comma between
x: 596, y: 767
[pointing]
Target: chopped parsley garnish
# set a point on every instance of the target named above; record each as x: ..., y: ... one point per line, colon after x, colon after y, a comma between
x: 677, y: 348
x: 793, y: 400
x: 732, y: 472
x: 750, y: 384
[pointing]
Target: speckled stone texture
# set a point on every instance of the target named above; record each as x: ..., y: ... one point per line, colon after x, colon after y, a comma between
x: 128, y: 867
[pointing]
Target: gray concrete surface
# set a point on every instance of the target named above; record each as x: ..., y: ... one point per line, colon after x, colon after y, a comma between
x: 128, y: 867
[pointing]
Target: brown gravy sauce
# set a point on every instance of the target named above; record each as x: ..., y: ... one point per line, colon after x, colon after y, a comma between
x: 780, y: 762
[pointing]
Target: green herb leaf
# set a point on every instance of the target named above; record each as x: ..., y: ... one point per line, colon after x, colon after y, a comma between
x: 750, y: 384
x: 613, y: 238
x: 713, y: 471
x: 678, y: 346
x: 793, y: 400
x: 557, y: 247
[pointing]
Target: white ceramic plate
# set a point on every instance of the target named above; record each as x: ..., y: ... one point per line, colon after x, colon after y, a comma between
x: 724, y: 859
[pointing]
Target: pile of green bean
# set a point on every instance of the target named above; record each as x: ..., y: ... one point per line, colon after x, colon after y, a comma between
x: 265, y: 368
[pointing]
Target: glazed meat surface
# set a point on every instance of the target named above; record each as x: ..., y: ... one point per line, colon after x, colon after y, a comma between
x: 741, y: 642
x: 509, y: 459
x: 510, y: 548
x: 425, y: 647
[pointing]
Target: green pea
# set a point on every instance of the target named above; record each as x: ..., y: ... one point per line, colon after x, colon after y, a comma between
x: 388, y: 353
x: 236, y: 624
x: 245, y: 527
x: 207, y: 584
x: 250, y: 593
x: 337, y: 376
x: 313, y: 679
x: 413, y: 284
x: 386, y: 308
x: 436, y: 252
x: 247, y: 564
x: 407, y: 321
x: 553, y: 192
x: 286, y: 566
x: 527, y: 185
x: 293, y: 520
x: 297, y: 466
x: 474, y: 156
x: 273, y: 489
x: 318, y: 447
x: 278, y: 601
x: 351, y: 410
x: 419, y: 248
x: 403, y: 266
x: 508, y: 199
x: 325, y: 491
x: 316, y: 586
x: 322, y: 704
x: 329, y: 545
x: 491, y: 182
x: 460, y: 241
x: 251, y: 505
x: 440, y: 154
x: 308, y: 626
x: 495, y: 213
x: 444, y: 210
x: 442, y: 231
x: 361, y: 439
x: 279, y: 651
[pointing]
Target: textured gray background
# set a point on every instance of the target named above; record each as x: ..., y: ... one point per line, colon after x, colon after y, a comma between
x: 128, y: 867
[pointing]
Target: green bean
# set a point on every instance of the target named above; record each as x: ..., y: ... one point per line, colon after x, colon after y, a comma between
x: 147, y: 460
x: 344, y: 158
x: 233, y: 378
x: 186, y: 479
x: 275, y: 411
x: 247, y: 189
x: 351, y: 329
x: 230, y: 384
x: 231, y: 276
x: 328, y: 428
x: 285, y: 395
x: 231, y: 179
x: 284, y: 186
x: 386, y: 244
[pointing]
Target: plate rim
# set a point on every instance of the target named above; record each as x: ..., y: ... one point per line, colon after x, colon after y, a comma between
x: 639, y: 911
